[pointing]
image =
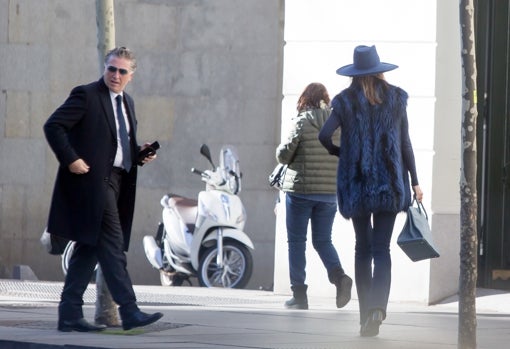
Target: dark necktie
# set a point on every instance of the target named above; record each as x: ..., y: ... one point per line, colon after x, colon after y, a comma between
x: 124, y: 137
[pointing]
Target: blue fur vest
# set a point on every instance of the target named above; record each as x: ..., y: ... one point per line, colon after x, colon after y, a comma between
x: 372, y: 176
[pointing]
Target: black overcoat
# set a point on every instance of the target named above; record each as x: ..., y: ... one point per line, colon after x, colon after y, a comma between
x: 84, y: 127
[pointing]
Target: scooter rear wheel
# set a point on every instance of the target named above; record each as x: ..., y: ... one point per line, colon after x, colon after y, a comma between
x: 66, y: 258
x: 237, y: 266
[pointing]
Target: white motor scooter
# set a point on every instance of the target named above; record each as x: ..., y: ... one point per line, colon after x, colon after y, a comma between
x: 204, y: 238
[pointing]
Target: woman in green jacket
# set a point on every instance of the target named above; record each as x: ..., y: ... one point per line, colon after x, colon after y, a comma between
x: 310, y: 188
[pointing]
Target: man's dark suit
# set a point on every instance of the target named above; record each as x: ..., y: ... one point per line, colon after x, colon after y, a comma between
x: 96, y: 208
x: 84, y: 127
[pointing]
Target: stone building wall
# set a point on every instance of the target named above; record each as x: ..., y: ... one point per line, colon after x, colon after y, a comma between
x: 208, y: 72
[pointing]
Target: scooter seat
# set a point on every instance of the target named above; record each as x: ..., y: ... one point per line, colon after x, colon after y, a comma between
x: 187, y: 209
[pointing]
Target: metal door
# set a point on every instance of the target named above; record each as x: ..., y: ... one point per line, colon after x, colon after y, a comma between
x: 493, y: 57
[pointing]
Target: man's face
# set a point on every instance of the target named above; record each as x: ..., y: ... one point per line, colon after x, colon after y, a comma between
x: 117, y: 74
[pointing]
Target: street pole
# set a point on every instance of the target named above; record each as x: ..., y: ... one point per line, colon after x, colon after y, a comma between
x: 468, y: 189
x: 106, y: 309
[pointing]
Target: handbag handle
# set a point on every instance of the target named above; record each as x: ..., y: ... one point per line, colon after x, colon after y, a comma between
x: 420, y: 207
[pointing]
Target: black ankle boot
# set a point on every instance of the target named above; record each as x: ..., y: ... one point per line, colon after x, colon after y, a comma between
x: 371, y: 326
x: 299, y: 299
x: 343, y: 285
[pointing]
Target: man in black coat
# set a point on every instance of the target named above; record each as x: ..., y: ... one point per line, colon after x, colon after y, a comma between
x: 93, y: 135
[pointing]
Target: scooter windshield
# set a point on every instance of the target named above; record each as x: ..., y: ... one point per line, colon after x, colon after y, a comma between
x: 229, y: 163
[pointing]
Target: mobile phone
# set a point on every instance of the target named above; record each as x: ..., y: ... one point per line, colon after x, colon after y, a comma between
x: 150, y: 150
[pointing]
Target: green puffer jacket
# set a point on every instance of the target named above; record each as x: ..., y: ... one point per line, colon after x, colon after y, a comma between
x: 311, y: 169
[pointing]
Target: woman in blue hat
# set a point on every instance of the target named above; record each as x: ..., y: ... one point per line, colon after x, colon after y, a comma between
x: 376, y: 160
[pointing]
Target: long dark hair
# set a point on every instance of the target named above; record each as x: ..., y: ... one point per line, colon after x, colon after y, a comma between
x: 312, y: 96
x: 373, y: 86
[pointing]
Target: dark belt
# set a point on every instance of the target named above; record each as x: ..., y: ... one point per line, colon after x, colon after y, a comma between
x: 118, y: 170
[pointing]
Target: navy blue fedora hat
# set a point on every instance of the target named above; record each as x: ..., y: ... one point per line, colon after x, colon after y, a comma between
x: 365, y: 62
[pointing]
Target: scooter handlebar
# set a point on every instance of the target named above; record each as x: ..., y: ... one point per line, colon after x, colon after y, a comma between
x: 206, y: 175
x: 211, y: 178
x: 194, y: 170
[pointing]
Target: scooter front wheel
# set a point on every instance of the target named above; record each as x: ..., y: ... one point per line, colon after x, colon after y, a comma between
x: 236, y: 270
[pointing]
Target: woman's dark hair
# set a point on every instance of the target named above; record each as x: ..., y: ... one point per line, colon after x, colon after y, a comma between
x: 312, y: 96
x: 373, y: 87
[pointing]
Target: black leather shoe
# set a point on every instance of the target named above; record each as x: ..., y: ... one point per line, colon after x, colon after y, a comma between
x: 80, y: 325
x: 139, y: 319
x: 371, y: 327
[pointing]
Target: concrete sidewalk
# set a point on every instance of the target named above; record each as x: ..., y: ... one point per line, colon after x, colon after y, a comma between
x: 224, y: 318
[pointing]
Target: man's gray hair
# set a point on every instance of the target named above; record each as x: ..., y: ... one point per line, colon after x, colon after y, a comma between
x: 122, y: 52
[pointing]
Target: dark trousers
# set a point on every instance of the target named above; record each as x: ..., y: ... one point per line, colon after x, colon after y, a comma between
x: 109, y: 252
x: 373, y: 237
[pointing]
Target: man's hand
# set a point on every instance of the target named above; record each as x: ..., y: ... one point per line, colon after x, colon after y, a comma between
x: 149, y: 158
x: 79, y: 167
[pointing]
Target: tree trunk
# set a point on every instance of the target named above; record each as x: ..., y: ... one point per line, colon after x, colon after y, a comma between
x: 105, y: 29
x: 106, y: 309
x: 468, y: 190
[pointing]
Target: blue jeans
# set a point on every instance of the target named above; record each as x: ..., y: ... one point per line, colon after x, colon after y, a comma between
x: 373, y: 245
x: 321, y: 215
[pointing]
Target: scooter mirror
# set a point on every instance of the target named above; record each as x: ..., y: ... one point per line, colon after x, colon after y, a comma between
x: 204, y: 150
